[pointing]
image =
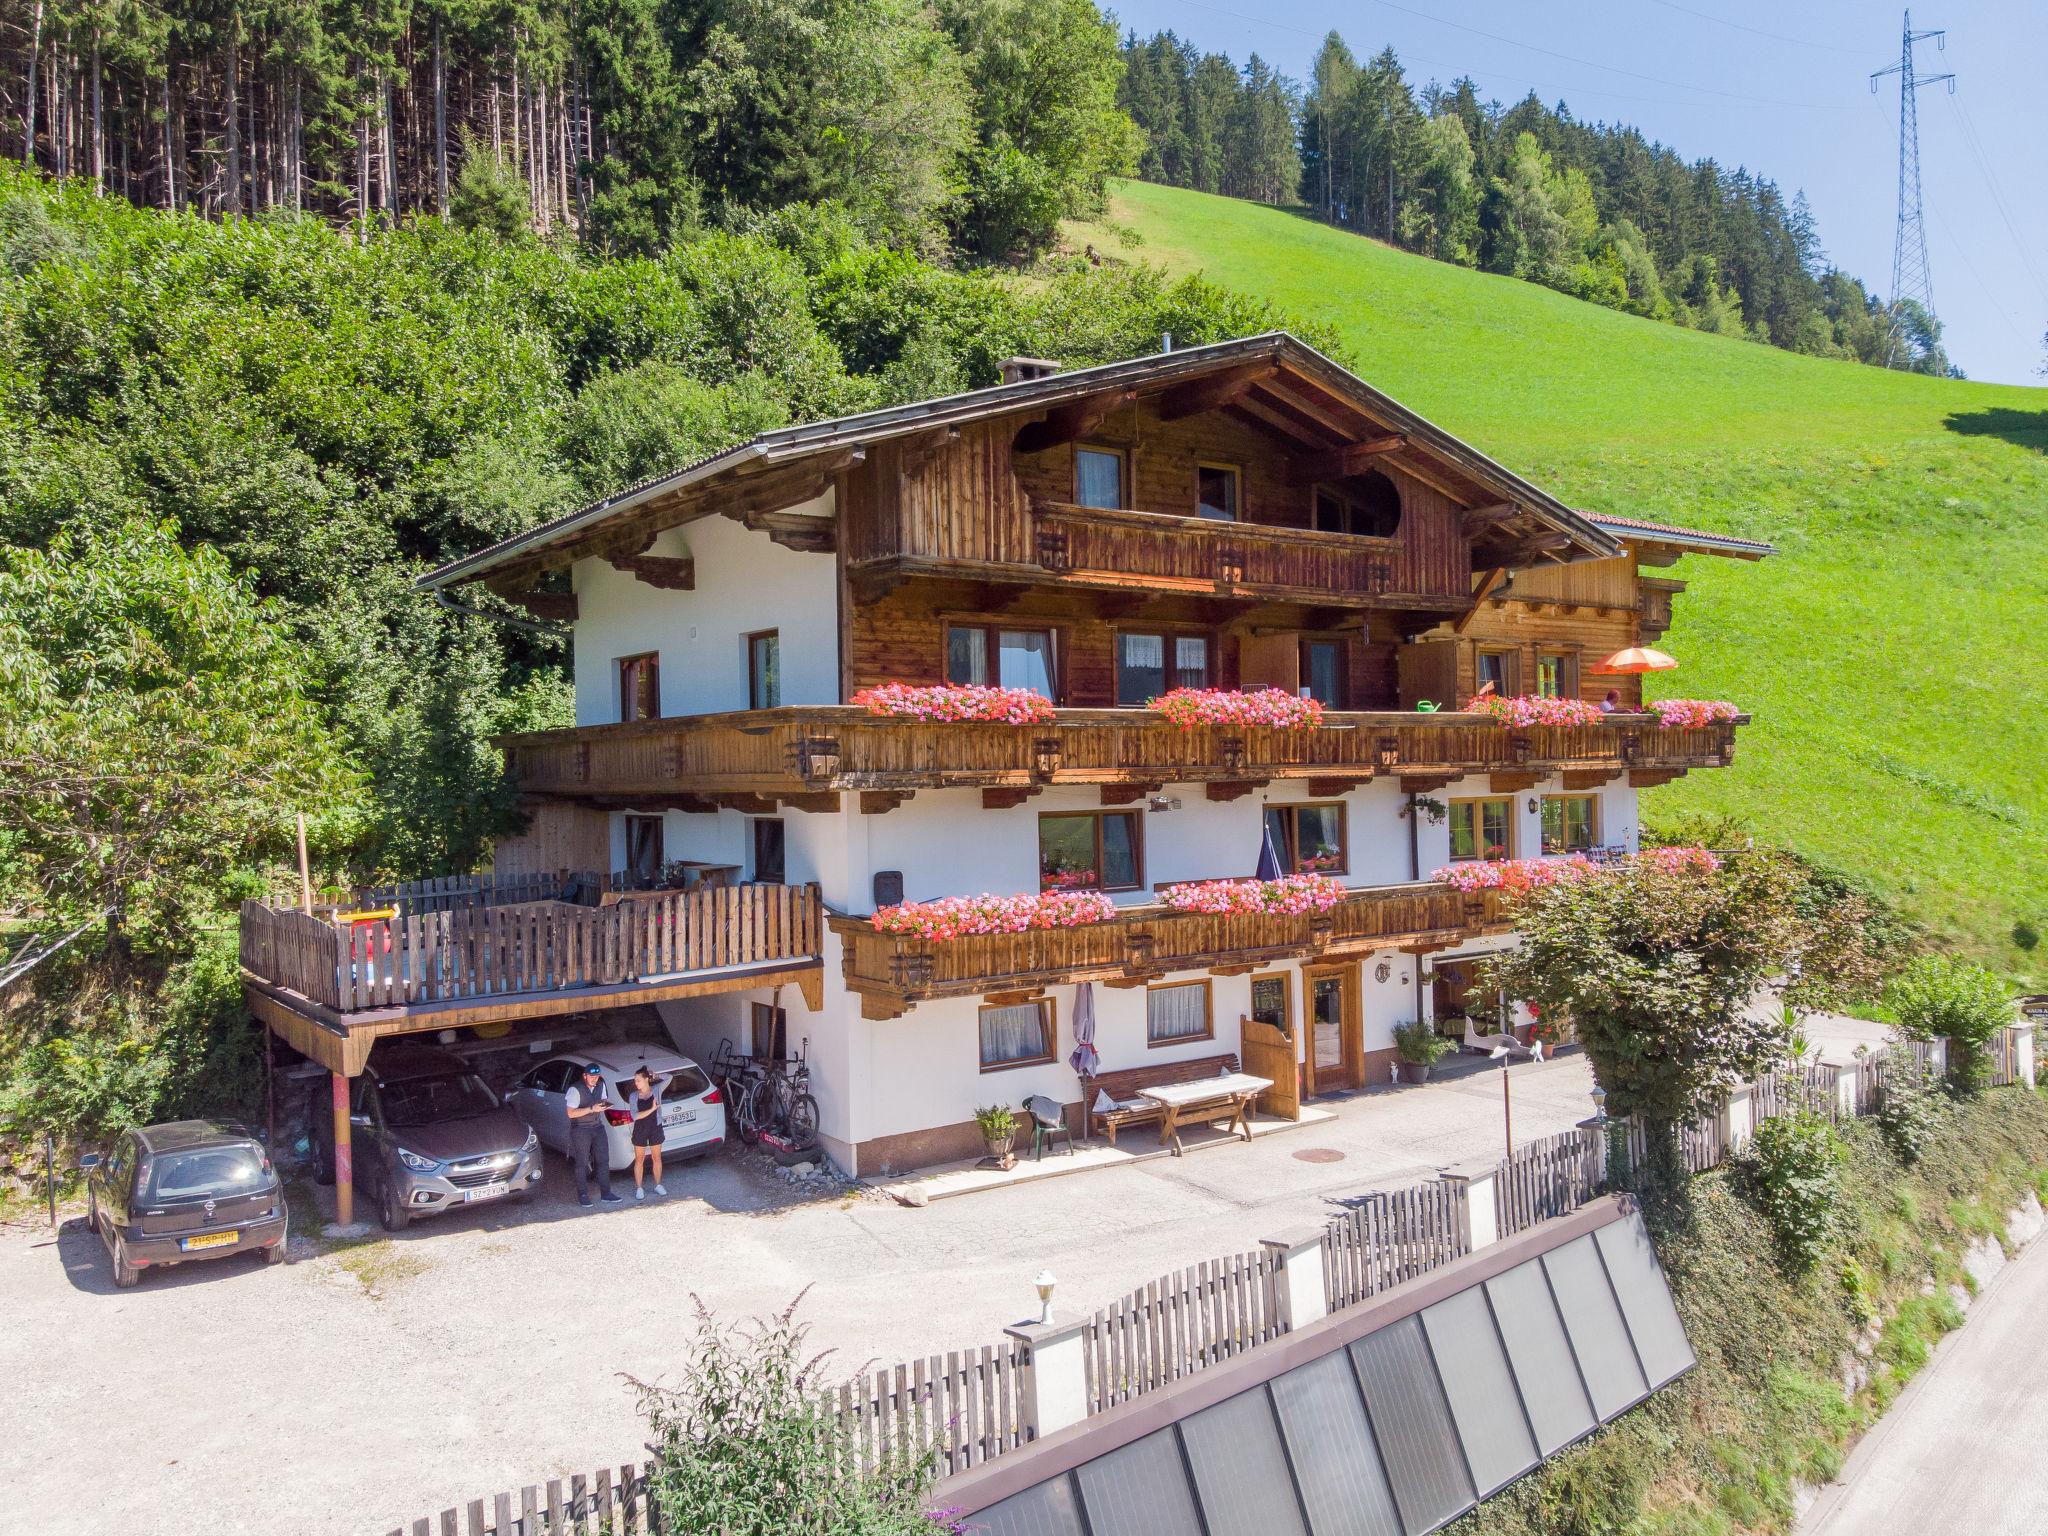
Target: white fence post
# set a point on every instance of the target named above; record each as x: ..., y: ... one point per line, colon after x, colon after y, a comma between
x: 1298, y: 1277
x: 2023, y: 1054
x: 1937, y: 1058
x: 1845, y: 1092
x: 1738, y: 1116
x: 1481, y: 1206
x: 1055, y: 1378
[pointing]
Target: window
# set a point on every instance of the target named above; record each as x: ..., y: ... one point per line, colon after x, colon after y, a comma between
x: 1322, y: 671
x: 640, y: 687
x: 1269, y: 1001
x: 1569, y: 825
x: 1099, y: 477
x: 1367, y: 506
x: 770, y: 1032
x: 768, y: 848
x: 1089, y: 851
x: 1481, y: 829
x: 1554, y: 679
x: 1497, y: 668
x: 1177, y: 1013
x: 643, y: 847
x: 764, y: 670
x: 1216, y: 491
x: 986, y: 656
x: 1309, y: 838
x: 1148, y: 665
x: 1017, y: 1036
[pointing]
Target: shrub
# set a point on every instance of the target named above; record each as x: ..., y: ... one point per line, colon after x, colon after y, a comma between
x: 1907, y: 1110
x: 1792, y: 1172
x: 1939, y: 997
x: 1418, y: 1042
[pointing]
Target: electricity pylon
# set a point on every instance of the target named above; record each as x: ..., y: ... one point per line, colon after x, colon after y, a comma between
x: 1911, y: 278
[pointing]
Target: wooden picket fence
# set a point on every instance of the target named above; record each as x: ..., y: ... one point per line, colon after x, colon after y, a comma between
x: 1547, y: 1178
x: 449, y: 893
x: 1180, y: 1323
x: 964, y: 1406
x: 614, y: 1502
x: 1388, y: 1238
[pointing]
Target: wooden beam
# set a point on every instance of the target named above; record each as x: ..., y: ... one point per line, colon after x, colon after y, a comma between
x: 671, y: 573
x: 746, y: 805
x: 1209, y: 394
x: 1009, y: 999
x: 1650, y: 778
x: 1232, y: 970
x: 1493, y: 579
x: 826, y: 801
x: 548, y: 607
x: 1261, y: 413
x: 1007, y: 799
x: 1479, y: 519
x: 879, y: 802
x: 1512, y: 783
x: 878, y: 1008
x: 1231, y: 789
x: 1353, y: 459
x: 1427, y: 783
x: 1319, y: 405
x: 920, y: 450
x: 1330, y: 788
x: 1065, y: 423
x: 1589, y: 778
x: 1127, y: 794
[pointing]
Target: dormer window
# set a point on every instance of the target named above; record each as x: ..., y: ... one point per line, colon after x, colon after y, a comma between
x: 1216, y: 487
x: 1366, y: 506
x: 1099, y: 477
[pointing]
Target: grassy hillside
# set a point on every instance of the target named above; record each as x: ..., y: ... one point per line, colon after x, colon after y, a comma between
x: 1895, y: 654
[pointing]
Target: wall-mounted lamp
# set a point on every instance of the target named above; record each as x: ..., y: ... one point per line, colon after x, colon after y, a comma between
x: 1045, y: 1282
x: 1163, y: 803
x: 1533, y: 806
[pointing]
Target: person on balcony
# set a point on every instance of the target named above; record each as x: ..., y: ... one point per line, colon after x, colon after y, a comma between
x: 1612, y: 703
x: 588, y: 1142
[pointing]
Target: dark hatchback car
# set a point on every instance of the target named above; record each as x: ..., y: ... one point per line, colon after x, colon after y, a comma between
x: 426, y: 1134
x: 192, y: 1189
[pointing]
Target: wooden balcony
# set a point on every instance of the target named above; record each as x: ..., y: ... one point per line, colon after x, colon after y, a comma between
x: 892, y: 972
x: 331, y: 988
x: 807, y: 755
x: 1092, y: 546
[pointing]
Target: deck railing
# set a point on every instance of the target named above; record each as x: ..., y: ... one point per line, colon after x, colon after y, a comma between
x: 1206, y: 555
x: 1151, y: 940
x: 541, y: 946
x: 816, y: 748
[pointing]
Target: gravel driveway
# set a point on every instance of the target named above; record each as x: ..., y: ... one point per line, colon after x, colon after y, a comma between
x: 357, y: 1388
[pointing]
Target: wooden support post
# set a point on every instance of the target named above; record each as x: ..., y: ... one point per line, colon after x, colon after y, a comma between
x: 344, y: 1161
x: 305, y: 870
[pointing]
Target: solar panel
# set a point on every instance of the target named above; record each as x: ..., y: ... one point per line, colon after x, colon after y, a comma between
x: 1240, y: 1468
x: 1140, y: 1490
x: 1646, y: 1303
x: 1418, y: 1445
x: 1332, y: 1449
x: 1541, y: 1357
x: 1485, y: 1407
x: 1607, y: 1357
x: 1044, y: 1509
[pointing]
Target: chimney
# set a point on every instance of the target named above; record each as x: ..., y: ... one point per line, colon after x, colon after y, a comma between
x: 1017, y: 370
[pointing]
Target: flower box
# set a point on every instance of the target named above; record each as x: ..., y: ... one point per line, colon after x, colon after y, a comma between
x: 953, y: 917
x: 1272, y: 707
x: 1535, y: 709
x: 1289, y: 894
x: 1693, y: 712
x: 956, y: 701
x: 1516, y: 875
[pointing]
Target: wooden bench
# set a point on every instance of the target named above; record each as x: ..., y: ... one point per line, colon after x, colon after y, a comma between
x: 1123, y: 1087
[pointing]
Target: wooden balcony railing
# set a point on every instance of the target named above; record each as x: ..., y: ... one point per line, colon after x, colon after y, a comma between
x: 894, y: 971
x: 819, y: 749
x: 483, y: 952
x: 1105, y: 546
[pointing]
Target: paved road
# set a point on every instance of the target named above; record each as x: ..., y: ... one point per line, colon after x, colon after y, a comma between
x: 1959, y: 1454
x: 344, y: 1392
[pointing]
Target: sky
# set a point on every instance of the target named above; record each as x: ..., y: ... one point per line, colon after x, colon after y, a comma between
x: 1782, y: 88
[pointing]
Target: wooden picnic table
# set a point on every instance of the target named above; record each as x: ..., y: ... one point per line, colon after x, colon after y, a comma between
x: 1206, y: 1100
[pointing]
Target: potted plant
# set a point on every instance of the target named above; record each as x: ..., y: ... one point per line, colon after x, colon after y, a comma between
x: 998, y: 1126
x: 1420, y: 1047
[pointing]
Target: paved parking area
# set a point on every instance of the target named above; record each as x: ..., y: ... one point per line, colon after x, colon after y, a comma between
x: 351, y: 1390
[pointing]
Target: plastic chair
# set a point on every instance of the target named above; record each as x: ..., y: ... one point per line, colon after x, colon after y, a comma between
x: 1047, y: 1124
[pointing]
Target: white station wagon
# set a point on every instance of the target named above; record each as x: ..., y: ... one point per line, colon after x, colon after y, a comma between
x: 692, y: 1110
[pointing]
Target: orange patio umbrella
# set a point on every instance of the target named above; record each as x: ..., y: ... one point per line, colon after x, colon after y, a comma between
x: 1637, y: 658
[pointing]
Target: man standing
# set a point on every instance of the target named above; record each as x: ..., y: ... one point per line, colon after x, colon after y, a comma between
x: 588, y: 1142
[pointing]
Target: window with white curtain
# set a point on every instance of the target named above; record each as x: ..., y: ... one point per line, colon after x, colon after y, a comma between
x: 1176, y: 1013
x: 1017, y: 1035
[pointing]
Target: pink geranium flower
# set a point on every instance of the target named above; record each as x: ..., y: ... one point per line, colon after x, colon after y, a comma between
x: 953, y: 917
x: 1272, y: 707
x: 957, y: 701
x: 1693, y: 712
x: 1289, y: 894
x: 1534, y: 709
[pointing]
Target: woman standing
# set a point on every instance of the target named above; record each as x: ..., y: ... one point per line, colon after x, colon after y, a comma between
x: 647, y: 1130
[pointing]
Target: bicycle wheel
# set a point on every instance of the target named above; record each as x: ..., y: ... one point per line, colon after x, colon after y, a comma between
x: 803, y: 1121
x: 745, y: 1114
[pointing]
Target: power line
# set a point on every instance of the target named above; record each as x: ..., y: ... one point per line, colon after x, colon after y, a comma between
x: 1776, y: 37
x: 1974, y: 142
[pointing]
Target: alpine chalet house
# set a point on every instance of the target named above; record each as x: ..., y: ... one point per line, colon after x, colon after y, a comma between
x: 1091, y: 642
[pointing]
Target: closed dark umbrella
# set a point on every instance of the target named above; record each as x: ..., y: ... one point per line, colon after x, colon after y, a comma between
x: 1084, y: 1059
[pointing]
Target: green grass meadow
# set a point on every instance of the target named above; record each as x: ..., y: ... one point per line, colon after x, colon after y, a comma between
x: 1894, y: 653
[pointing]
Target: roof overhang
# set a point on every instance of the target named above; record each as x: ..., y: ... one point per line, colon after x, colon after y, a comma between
x: 813, y: 441
x: 1686, y: 541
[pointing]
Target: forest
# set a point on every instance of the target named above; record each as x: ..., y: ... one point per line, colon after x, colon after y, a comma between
x: 1530, y: 191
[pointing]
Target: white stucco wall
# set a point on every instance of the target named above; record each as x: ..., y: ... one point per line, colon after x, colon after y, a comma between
x: 745, y: 583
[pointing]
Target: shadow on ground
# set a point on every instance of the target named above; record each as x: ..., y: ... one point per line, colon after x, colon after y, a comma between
x: 2026, y: 429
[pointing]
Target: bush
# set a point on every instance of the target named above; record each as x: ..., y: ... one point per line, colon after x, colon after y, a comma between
x: 1907, y: 1111
x: 1939, y: 997
x: 1792, y: 1172
x: 1418, y: 1042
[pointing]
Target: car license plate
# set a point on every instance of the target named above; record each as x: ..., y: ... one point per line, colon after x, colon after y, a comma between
x: 210, y: 1240
x: 488, y: 1191
x: 678, y: 1114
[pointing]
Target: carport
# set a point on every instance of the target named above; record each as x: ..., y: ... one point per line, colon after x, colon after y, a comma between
x: 456, y: 954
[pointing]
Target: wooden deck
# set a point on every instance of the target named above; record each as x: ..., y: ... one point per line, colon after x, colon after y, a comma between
x: 333, y: 988
x: 892, y: 972
x: 808, y: 754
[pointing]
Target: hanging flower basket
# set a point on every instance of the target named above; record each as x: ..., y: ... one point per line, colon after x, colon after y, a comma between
x: 1693, y: 712
x: 953, y: 917
x: 1535, y: 709
x: 1289, y: 894
x: 1272, y: 707
x: 957, y: 701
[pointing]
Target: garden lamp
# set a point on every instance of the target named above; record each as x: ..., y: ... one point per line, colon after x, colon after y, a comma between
x: 1500, y: 1053
x: 1045, y: 1282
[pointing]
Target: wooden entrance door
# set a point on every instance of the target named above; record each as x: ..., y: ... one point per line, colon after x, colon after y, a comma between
x: 1336, y: 1028
x: 1266, y: 1046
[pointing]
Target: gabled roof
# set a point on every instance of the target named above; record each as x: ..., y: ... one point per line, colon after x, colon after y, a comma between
x: 793, y: 445
x: 1635, y: 530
